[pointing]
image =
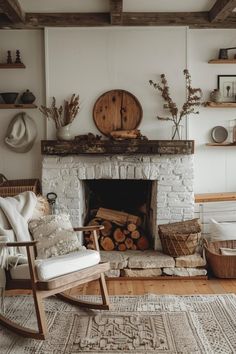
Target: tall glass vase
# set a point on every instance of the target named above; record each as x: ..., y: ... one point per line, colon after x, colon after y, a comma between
x: 177, y: 132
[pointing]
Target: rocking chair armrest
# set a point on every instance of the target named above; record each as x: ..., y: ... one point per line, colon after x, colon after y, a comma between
x: 89, y: 228
x: 22, y: 244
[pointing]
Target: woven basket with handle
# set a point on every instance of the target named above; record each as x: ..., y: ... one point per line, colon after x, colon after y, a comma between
x: 10, y: 188
x: 180, y: 238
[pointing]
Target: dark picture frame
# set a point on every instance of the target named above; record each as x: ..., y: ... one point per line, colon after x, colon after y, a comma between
x: 227, y: 86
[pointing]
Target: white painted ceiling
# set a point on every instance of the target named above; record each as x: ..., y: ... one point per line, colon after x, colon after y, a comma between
x: 128, y: 5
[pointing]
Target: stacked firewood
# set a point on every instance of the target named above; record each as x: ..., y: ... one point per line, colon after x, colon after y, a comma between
x: 122, y: 231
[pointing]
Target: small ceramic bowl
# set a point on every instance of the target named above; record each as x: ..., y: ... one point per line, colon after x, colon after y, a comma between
x: 9, y: 97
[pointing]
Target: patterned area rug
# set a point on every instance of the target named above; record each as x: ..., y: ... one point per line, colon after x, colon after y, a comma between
x: 135, y: 325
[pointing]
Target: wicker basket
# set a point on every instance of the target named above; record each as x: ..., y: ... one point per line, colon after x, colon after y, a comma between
x: 177, y: 245
x: 221, y: 266
x: 180, y: 238
x: 10, y: 188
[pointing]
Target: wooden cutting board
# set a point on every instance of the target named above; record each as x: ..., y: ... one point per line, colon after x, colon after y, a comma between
x: 117, y: 110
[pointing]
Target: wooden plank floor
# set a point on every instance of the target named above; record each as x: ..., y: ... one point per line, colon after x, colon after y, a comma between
x: 179, y: 287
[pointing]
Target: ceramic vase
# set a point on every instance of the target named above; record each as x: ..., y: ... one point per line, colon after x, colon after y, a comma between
x: 64, y: 133
x: 215, y: 96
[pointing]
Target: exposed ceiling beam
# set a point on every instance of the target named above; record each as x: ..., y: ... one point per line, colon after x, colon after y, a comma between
x: 191, y: 19
x: 40, y: 20
x: 165, y: 18
x: 221, y: 10
x: 13, y: 10
x: 116, y: 11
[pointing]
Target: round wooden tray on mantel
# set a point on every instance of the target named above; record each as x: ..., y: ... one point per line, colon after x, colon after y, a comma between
x: 117, y: 110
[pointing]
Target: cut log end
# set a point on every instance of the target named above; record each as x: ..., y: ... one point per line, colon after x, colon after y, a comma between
x: 107, y: 244
x: 118, y: 235
x: 143, y: 243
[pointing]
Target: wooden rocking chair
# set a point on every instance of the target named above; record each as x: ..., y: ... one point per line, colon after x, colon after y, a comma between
x: 44, y: 286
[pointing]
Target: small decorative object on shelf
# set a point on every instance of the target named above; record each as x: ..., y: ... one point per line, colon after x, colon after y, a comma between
x: 9, y: 58
x: 18, y: 59
x: 9, y: 97
x: 234, y: 133
x: 223, y: 53
x: 10, y: 64
x: 194, y: 96
x: 219, y: 134
x: 27, y: 97
x: 215, y: 96
x: 63, y: 116
x: 226, y: 86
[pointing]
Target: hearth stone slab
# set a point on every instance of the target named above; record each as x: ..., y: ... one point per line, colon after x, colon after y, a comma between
x: 137, y: 259
x: 184, y: 272
x: 118, y: 260
x: 149, y: 259
x: 141, y: 272
x: 191, y: 261
x: 113, y: 273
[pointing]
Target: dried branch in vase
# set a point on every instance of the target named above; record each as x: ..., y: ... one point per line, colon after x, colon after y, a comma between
x: 193, y: 100
x: 56, y: 114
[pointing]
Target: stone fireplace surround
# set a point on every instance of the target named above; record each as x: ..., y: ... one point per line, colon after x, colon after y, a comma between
x: 172, y: 200
x: 172, y: 193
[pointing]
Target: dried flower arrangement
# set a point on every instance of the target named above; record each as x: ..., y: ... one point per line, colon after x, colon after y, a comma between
x: 193, y: 100
x: 59, y: 117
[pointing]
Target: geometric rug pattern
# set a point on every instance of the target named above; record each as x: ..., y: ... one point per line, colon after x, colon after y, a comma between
x: 148, y: 324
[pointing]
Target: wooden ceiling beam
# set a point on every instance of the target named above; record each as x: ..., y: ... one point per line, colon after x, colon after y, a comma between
x: 192, y: 20
x: 13, y: 10
x: 221, y: 10
x: 116, y: 12
x: 40, y: 20
x: 165, y: 18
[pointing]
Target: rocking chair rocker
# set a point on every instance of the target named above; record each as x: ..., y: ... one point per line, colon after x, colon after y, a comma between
x: 54, y: 276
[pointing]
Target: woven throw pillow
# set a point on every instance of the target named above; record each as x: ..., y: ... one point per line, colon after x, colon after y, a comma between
x: 222, y: 231
x: 55, y: 236
x: 228, y: 251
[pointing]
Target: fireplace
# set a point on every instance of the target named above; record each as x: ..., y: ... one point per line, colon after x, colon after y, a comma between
x: 169, y: 177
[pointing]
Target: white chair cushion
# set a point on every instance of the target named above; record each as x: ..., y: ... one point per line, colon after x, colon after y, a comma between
x: 56, y: 266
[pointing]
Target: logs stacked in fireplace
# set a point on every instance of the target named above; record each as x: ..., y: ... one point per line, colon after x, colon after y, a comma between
x: 122, y: 231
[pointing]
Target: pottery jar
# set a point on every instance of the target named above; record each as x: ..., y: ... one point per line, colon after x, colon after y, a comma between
x: 215, y: 96
x: 27, y: 97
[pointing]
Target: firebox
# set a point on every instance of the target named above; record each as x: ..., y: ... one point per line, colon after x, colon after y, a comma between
x: 124, y: 208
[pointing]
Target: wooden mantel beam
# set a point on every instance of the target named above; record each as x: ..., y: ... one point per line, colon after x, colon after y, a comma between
x: 13, y: 10
x: 221, y: 10
x: 116, y: 11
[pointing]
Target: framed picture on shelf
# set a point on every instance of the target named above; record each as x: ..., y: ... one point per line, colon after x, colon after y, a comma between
x: 227, y: 87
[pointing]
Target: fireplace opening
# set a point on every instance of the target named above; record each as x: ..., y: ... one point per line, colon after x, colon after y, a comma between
x: 125, y: 208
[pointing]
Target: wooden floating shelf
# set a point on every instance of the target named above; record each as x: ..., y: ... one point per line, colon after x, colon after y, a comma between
x: 111, y: 147
x: 12, y: 66
x: 215, y: 197
x: 222, y: 61
x: 17, y: 105
x: 223, y: 144
x: 220, y: 104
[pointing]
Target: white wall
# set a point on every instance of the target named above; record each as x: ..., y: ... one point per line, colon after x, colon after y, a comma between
x: 22, y: 165
x: 215, y: 168
x: 93, y: 61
